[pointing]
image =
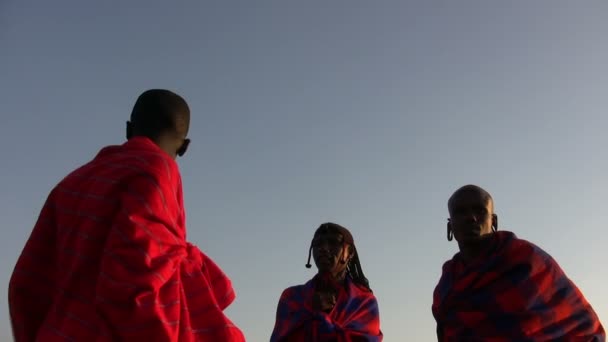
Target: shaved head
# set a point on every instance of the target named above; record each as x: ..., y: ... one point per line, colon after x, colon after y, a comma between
x: 163, y: 117
x: 159, y: 112
x: 472, y: 219
x: 467, y: 189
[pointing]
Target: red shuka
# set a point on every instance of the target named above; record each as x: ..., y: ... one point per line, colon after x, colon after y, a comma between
x: 514, y: 291
x: 354, y: 318
x: 108, y: 259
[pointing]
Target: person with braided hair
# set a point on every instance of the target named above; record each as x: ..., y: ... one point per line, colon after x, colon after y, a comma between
x: 499, y: 287
x: 337, y: 304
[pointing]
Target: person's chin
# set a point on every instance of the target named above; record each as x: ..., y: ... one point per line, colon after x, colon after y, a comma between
x: 471, y: 239
x: 324, y: 267
x: 475, y: 239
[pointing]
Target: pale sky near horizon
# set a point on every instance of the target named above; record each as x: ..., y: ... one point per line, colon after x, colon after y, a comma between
x: 366, y: 113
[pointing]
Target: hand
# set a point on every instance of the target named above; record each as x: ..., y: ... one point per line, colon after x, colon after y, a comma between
x: 323, y: 301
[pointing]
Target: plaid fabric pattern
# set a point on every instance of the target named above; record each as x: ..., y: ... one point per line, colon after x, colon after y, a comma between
x: 514, y: 292
x: 354, y: 318
x: 108, y: 259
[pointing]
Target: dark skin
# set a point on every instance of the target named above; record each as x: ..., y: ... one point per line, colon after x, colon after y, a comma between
x: 331, y: 256
x: 163, y: 117
x: 172, y: 141
x: 471, y: 220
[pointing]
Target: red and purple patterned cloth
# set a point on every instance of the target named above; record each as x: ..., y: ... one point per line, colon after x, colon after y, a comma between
x: 355, y: 316
x: 513, y: 292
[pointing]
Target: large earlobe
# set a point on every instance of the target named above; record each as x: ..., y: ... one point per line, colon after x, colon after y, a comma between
x: 129, y: 130
x: 449, y: 231
x: 182, y: 149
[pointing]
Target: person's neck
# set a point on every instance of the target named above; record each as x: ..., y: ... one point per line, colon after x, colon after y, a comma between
x: 332, y: 279
x: 339, y: 276
x: 163, y: 142
x: 471, y: 250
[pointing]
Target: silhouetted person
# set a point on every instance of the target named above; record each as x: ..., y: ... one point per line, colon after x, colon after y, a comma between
x: 108, y: 258
x: 502, y: 288
x: 337, y: 304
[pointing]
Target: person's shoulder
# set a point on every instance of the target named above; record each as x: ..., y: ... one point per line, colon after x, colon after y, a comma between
x: 295, y: 291
x: 522, y: 243
x: 448, y: 265
x: 358, y: 290
x: 139, y: 157
x: 528, y: 250
x: 116, y: 166
x: 91, y: 171
x: 148, y: 158
x: 292, y: 289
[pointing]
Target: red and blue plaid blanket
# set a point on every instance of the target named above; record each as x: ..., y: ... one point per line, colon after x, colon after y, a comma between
x: 514, y: 291
x: 355, y: 316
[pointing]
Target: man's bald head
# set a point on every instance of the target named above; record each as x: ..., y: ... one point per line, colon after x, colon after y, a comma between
x: 159, y: 112
x: 472, y: 218
x: 162, y: 116
x: 470, y: 189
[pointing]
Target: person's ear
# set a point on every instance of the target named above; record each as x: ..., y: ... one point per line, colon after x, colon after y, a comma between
x: 182, y: 149
x: 450, y: 232
x: 129, y: 132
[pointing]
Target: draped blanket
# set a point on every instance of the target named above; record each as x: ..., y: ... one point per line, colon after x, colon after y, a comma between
x: 513, y: 292
x: 108, y: 259
x: 355, y: 317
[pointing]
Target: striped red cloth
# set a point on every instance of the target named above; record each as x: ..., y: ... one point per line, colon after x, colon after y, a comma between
x: 354, y: 318
x: 108, y: 259
x: 513, y: 292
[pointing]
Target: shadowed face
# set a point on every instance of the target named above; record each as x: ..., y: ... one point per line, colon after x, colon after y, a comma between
x: 330, y: 252
x: 471, y: 216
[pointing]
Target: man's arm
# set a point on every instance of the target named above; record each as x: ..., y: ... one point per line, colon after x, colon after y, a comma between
x: 281, y: 328
x: 29, y: 293
x: 139, y: 287
x: 439, y: 333
x: 363, y: 324
x: 369, y: 322
x: 219, y: 285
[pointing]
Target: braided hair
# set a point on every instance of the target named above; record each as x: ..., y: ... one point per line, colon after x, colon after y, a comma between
x: 353, y: 268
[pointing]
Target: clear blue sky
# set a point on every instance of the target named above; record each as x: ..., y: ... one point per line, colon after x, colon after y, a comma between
x: 366, y: 113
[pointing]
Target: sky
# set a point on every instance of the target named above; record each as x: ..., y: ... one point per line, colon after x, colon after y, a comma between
x: 365, y: 113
